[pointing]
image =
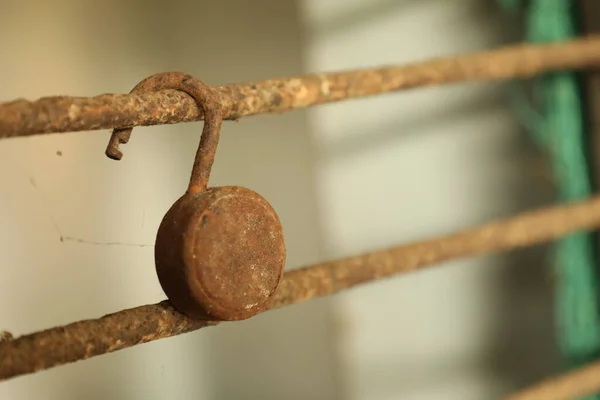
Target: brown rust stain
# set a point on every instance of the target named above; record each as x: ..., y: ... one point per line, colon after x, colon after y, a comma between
x: 219, y: 252
x: 86, y: 339
x: 68, y: 114
x: 80, y: 340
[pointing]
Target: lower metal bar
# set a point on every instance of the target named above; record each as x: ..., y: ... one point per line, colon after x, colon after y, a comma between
x: 127, y: 328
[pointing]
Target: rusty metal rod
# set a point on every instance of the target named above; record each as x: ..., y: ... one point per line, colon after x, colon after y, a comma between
x: 69, y: 114
x: 584, y: 381
x: 85, y: 339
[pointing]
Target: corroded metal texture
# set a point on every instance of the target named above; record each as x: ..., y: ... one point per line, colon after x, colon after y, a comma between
x: 85, y: 339
x: 220, y: 254
x: 81, y: 340
x: 206, y: 100
x: 68, y: 114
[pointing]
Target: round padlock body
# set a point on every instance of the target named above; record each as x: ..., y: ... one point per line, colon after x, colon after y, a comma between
x: 220, y: 254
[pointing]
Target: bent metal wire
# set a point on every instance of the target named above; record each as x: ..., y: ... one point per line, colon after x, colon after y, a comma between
x: 81, y: 340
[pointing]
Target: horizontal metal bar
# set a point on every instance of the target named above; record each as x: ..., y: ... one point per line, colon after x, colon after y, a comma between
x: 577, y: 384
x: 69, y: 114
x: 85, y: 339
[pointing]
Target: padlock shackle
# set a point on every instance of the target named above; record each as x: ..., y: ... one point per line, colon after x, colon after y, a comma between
x: 206, y: 98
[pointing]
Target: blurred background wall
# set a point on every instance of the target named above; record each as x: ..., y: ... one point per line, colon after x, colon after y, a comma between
x: 416, y: 164
x: 427, y: 162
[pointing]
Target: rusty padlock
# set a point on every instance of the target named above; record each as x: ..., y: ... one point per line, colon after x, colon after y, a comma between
x: 219, y: 251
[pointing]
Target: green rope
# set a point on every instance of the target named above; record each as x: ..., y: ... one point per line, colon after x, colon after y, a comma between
x: 558, y: 127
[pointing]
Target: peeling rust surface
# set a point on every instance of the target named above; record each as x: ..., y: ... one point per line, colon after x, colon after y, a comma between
x: 5, y: 336
x: 85, y: 339
x: 206, y: 100
x: 81, y: 340
x: 203, y: 95
x: 220, y: 254
x: 69, y: 114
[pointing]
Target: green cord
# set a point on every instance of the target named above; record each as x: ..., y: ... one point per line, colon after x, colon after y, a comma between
x: 559, y: 129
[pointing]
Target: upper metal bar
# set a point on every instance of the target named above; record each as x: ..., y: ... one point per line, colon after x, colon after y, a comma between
x: 69, y: 114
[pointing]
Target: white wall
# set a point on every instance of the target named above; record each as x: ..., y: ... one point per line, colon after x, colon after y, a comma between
x: 87, y: 48
x: 416, y: 164
x: 428, y: 161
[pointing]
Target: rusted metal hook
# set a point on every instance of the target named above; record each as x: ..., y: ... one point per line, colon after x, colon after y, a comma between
x: 206, y: 98
x: 219, y: 251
